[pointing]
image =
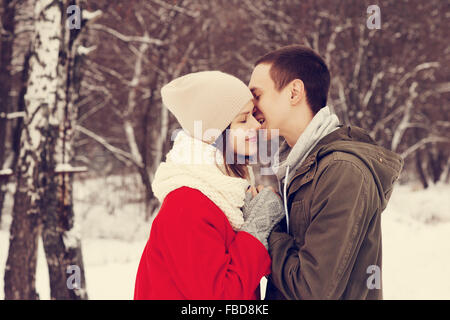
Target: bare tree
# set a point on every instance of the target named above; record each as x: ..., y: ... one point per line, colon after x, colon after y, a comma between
x: 43, y: 199
x: 147, y: 61
x: 21, y: 263
x: 61, y: 239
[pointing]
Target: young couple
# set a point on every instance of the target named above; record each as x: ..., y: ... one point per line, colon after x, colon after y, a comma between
x: 215, y: 237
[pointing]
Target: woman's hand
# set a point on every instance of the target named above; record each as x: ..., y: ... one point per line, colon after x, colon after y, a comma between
x: 255, y: 190
x: 262, y: 212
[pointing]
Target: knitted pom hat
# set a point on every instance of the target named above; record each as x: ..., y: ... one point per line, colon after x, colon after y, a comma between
x: 205, y: 103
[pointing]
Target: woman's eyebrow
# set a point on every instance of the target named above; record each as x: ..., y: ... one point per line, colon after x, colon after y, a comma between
x: 242, y: 113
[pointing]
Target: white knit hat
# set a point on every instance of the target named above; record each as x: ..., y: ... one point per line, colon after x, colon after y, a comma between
x: 212, y: 98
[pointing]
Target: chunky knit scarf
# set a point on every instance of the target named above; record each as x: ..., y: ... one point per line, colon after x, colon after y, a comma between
x: 196, y: 164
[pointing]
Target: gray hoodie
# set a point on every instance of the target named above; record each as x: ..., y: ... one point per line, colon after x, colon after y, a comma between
x: 288, y: 160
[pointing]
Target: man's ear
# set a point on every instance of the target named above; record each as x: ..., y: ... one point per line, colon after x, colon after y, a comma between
x: 297, y: 91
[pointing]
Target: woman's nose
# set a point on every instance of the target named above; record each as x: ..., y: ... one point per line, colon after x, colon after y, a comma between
x: 255, y: 124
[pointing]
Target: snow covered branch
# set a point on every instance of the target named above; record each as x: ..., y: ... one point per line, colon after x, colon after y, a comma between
x: 82, y: 51
x: 419, y: 67
x: 12, y: 115
x: 121, y: 155
x: 125, y: 38
x: 90, y: 16
x: 404, y: 122
x: 372, y: 88
x: 421, y: 143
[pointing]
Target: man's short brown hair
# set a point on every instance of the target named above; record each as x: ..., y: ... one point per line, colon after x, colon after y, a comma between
x: 300, y: 62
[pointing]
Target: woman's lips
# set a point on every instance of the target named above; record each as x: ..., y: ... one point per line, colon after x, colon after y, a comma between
x: 262, y: 123
x: 252, y: 139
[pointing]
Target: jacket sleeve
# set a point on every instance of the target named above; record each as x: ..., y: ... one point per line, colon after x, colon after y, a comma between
x: 201, y: 265
x: 320, y: 269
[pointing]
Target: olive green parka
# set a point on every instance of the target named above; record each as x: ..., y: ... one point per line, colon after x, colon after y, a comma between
x: 333, y: 247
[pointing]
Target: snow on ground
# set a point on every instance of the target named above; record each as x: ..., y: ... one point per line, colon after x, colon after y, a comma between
x: 416, y: 240
x: 416, y: 244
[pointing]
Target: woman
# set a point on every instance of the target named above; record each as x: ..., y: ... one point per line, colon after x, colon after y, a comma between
x: 201, y: 244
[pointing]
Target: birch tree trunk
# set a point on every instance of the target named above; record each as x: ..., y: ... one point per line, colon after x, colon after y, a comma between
x: 20, y: 267
x: 61, y: 240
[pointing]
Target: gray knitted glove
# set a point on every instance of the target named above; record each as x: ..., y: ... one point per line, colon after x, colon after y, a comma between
x: 261, y: 214
x: 246, y: 207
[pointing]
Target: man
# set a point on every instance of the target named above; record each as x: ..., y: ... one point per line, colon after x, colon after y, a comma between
x: 334, y: 179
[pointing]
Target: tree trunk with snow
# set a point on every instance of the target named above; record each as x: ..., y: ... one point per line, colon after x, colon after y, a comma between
x: 43, y: 200
x: 61, y: 240
x: 20, y: 268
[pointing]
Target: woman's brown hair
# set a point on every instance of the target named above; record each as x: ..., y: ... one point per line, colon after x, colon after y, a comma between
x: 230, y: 158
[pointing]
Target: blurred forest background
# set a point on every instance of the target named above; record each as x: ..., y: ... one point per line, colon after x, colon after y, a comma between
x: 85, y: 103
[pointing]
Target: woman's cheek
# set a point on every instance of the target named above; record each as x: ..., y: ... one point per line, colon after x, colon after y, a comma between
x: 249, y: 147
x: 252, y: 148
x: 238, y: 142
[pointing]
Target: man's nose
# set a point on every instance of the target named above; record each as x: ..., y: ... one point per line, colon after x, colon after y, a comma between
x: 257, y: 112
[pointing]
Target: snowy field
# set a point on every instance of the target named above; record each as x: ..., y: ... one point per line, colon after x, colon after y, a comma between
x: 416, y: 241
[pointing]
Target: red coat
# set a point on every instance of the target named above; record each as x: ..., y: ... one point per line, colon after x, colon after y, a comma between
x: 193, y: 253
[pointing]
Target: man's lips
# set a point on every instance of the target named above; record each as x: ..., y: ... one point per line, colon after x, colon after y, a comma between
x: 251, y: 139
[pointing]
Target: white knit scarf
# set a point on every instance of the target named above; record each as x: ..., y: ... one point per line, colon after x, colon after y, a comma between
x: 196, y: 164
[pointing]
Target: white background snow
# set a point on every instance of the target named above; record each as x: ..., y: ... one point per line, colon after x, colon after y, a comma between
x: 415, y: 226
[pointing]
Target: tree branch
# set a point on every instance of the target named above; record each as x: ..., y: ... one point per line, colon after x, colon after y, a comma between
x: 421, y: 143
x: 126, y: 38
x: 121, y: 155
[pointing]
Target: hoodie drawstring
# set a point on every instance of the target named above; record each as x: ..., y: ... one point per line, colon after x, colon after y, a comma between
x: 285, y: 200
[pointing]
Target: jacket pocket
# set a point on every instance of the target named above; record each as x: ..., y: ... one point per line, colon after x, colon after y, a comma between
x: 298, y: 221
